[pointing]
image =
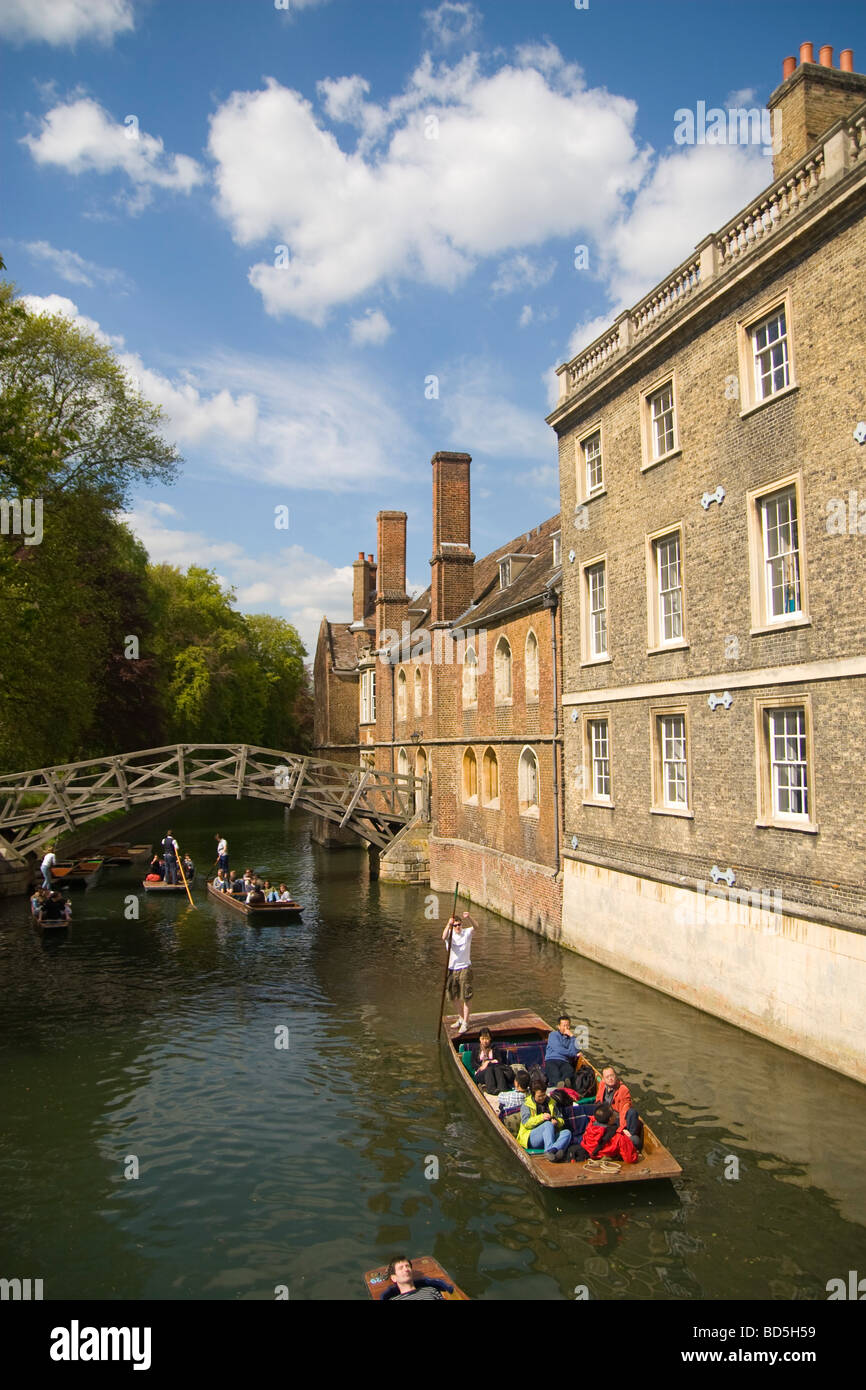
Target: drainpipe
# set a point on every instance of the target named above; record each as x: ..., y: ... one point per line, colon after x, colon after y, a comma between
x: 551, y: 600
x: 393, y: 724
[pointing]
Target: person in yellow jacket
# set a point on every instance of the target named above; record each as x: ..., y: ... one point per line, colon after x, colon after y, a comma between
x: 542, y: 1128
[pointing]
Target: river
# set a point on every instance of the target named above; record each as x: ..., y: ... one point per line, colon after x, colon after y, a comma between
x: 300, y: 1166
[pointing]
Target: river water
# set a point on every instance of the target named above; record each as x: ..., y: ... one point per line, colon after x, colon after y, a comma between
x: 301, y: 1166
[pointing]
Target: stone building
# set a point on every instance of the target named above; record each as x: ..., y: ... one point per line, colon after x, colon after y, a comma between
x: 460, y: 685
x: 713, y: 493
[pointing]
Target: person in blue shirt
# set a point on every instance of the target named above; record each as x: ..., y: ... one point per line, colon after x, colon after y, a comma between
x: 562, y: 1056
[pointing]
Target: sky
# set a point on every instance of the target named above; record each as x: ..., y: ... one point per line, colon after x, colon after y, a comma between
x: 330, y: 237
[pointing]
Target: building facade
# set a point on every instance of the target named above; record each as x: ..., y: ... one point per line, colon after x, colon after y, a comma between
x: 713, y: 496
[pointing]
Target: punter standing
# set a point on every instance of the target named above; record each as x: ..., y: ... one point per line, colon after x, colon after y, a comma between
x: 169, y: 853
x: 223, y: 855
x: 459, y: 979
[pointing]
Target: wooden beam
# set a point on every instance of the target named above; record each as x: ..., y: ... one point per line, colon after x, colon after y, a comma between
x: 302, y: 770
x: 356, y: 798
x: 242, y: 770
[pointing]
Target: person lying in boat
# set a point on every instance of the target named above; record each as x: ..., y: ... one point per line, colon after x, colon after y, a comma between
x: 510, y: 1100
x: 221, y: 882
x: 405, y: 1283
x: 492, y: 1073
x: 562, y: 1055
x: 542, y: 1128
x: 613, y: 1091
x: 603, y: 1138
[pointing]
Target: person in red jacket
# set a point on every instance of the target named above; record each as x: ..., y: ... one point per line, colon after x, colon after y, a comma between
x: 603, y: 1139
x: 613, y: 1091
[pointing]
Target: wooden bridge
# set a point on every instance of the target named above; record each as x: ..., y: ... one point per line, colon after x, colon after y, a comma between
x: 37, y: 806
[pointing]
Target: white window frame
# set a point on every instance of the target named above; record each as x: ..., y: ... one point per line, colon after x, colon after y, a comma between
x: 531, y: 691
x: 500, y: 666
x: 656, y: 640
x: 582, y: 489
x: 661, y: 804
x: 368, y: 696
x: 769, y: 813
x: 591, y: 657
x: 763, y: 620
x: 650, y: 457
x: 747, y: 356
x: 593, y: 796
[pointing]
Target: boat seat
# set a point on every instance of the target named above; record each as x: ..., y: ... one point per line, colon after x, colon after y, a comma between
x: 526, y: 1054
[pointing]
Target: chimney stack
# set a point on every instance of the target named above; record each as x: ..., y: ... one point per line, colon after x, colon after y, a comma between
x: 452, y: 561
x: 363, y: 589
x: 392, y: 601
x: 810, y: 99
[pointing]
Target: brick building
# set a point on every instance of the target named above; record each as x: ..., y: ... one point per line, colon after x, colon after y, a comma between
x: 713, y: 495
x: 461, y: 685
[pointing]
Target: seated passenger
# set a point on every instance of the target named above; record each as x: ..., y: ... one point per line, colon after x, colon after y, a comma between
x: 603, y: 1138
x: 239, y: 887
x: 562, y: 1054
x: 255, y: 897
x: 509, y: 1100
x: 249, y: 881
x: 492, y: 1073
x: 37, y: 900
x: 405, y: 1283
x: 221, y: 883
x: 542, y: 1128
x: 271, y: 894
x: 284, y: 895
x: 613, y: 1091
x: 188, y: 867
x: 54, y: 910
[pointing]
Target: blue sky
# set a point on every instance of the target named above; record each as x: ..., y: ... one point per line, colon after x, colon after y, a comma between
x: 429, y: 170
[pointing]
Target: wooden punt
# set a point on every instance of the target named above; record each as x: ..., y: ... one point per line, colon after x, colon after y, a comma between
x: 377, y: 1280
x: 80, y: 873
x: 121, y: 856
x: 523, y: 1026
x: 60, y: 925
x: 167, y: 887
x: 260, y: 912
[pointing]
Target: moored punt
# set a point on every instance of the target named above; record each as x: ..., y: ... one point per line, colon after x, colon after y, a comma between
x: 377, y: 1280
x: 261, y: 912
x: 81, y: 873
x: 523, y: 1036
x: 121, y: 856
x: 162, y: 887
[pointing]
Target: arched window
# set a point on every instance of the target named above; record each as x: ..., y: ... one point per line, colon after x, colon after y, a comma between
x: 502, y: 671
x: 401, y: 694
x: 403, y: 763
x: 490, y: 779
x: 470, y: 776
x: 405, y: 771
x: 527, y: 783
x: 531, y: 669
x: 419, y: 694
x: 470, y: 679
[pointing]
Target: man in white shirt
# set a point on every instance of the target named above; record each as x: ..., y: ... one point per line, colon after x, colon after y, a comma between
x: 223, y: 855
x: 48, y: 861
x: 459, y: 985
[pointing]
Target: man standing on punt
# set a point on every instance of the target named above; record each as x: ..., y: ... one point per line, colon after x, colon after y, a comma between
x: 459, y: 979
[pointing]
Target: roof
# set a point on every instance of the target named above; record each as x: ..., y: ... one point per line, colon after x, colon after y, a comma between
x: 341, y: 645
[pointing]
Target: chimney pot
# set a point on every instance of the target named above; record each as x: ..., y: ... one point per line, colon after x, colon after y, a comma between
x: 825, y: 56
x: 846, y: 60
x: 807, y: 53
x: 369, y: 557
x: 360, y: 555
x: 789, y: 66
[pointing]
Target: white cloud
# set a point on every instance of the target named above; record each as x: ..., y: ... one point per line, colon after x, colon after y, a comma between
x: 454, y: 21
x: 65, y: 21
x: 522, y: 271
x: 373, y: 328
x: 65, y: 308
x: 403, y: 206
x: 525, y: 316
x: 192, y: 415
x: 483, y: 418
x: 72, y: 267
x: 291, y: 583
x: 80, y: 136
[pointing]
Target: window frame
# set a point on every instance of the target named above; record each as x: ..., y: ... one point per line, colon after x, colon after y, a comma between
x: 532, y: 695
x: 762, y: 622
x: 588, y: 658
x: 471, y: 703
x: 470, y: 758
x: 655, y: 642
x: 648, y: 456
x: 531, y: 809
x: 418, y: 694
x: 659, y: 807
x: 749, y: 400
x: 767, y: 817
x: 491, y: 803
x: 402, y: 696
x: 582, y: 492
x: 498, y: 697
x: 368, y: 696
x: 590, y: 796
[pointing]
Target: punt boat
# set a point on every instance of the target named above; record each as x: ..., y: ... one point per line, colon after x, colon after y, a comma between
x: 62, y: 924
x: 121, y: 856
x: 377, y: 1280
x: 523, y: 1037
x: 162, y: 887
x: 80, y: 873
x: 261, y: 912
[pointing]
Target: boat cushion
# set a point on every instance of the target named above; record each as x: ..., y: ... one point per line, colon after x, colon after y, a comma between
x: 512, y: 1122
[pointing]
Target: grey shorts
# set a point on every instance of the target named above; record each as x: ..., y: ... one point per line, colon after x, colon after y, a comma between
x: 460, y: 984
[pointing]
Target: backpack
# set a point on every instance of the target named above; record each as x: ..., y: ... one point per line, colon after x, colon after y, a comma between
x: 584, y: 1081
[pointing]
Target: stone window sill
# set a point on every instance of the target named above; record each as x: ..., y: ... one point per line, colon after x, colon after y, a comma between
x: 597, y: 661
x: 665, y: 458
x: 492, y: 805
x: 604, y: 805
x: 531, y: 812
x: 805, y: 828
x: 668, y: 647
x: 671, y: 811
x: 768, y: 400
x: 801, y: 620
